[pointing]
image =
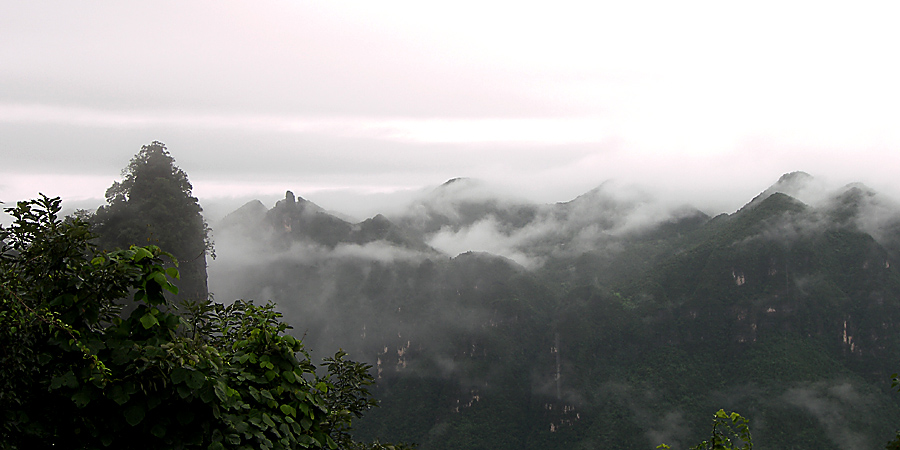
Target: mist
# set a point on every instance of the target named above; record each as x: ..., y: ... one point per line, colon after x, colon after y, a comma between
x: 567, y: 221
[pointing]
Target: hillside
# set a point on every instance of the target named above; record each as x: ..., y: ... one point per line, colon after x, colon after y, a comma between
x: 610, y: 321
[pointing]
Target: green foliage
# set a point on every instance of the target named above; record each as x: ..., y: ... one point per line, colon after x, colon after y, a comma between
x: 348, y: 396
x: 77, y: 373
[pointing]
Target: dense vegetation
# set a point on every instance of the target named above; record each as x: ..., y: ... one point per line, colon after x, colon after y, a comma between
x: 622, y: 335
x: 77, y: 373
x: 99, y: 350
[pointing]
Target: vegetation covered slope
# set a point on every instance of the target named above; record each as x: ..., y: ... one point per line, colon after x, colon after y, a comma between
x: 610, y: 321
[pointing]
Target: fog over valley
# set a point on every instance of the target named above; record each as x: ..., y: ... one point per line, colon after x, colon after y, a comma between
x: 574, y: 225
x: 456, y: 284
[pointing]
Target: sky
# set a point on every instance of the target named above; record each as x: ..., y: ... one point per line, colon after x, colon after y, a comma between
x: 355, y: 105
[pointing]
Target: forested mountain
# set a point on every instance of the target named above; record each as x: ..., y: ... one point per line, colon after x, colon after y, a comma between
x: 610, y: 321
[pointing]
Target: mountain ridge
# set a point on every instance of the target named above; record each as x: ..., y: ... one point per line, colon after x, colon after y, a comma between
x: 566, y: 325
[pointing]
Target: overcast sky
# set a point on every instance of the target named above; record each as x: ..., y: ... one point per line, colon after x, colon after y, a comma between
x: 712, y: 101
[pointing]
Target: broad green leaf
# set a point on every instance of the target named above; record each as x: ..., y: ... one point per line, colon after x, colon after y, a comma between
x: 67, y: 379
x: 184, y: 391
x: 148, y: 320
x: 220, y: 392
x: 160, y: 278
x: 81, y: 398
x: 158, y: 430
x: 118, y: 394
x: 288, y: 410
x: 141, y: 253
x: 134, y: 414
x: 196, y: 380
x: 179, y: 375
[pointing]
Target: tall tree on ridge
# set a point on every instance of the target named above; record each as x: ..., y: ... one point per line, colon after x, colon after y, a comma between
x: 153, y: 204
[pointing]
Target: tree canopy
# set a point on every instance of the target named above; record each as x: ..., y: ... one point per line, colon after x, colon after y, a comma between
x: 75, y: 372
x: 153, y: 204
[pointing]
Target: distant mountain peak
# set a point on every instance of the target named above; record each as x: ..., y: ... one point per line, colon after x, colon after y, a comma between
x: 795, y: 184
x: 613, y: 192
x: 253, y: 206
x: 250, y: 215
x: 852, y: 200
x: 860, y: 189
x: 378, y: 221
x: 794, y: 177
x: 792, y: 183
x: 459, y: 184
x: 458, y: 190
x: 456, y: 180
x: 290, y: 199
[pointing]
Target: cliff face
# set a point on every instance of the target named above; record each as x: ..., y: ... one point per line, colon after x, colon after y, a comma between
x: 626, y: 329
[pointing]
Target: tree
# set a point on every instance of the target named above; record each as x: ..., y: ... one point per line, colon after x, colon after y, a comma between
x: 76, y: 373
x: 153, y: 204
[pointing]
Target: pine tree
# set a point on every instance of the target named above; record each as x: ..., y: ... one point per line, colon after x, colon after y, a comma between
x: 153, y: 204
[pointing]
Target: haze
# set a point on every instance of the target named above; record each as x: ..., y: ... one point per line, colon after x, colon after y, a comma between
x: 358, y: 105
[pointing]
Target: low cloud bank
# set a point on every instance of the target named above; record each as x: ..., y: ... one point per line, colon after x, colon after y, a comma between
x: 839, y: 408
x: 593, y: 222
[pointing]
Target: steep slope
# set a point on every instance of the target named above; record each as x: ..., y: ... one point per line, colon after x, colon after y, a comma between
x: 639, y: 321
x: 779, y: 264
x: 775, y: 310
x: 245, y: 220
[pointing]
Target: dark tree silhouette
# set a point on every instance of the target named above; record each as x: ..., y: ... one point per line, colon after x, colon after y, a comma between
x: 153, y: 204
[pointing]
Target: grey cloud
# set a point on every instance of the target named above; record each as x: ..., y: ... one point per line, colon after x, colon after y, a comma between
x: 671, y: 428
x: 596, y: 221
x: 485, y: 236
x: 837, y: 407
x: 377, y: 251
x: 283, y: 59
